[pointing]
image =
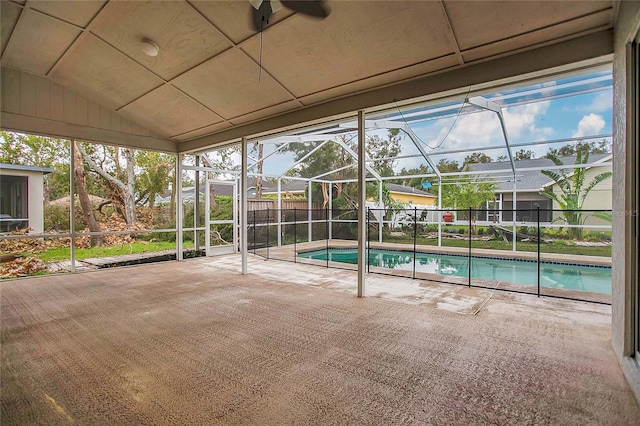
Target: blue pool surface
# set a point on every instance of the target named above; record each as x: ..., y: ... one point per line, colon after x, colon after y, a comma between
x: 596, y: 279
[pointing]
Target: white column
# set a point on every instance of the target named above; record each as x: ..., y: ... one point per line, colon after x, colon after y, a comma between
x: 178, y: 184
x: 362, y: 211
x: 207, y: 216
x: 279, y: 212
x: 439, y: 211
x: 243, y: 207
x: 72, y: 207
x: 514, y: 213
x: 309, y: 206
x: 330, y: 211
x: 381, y: 203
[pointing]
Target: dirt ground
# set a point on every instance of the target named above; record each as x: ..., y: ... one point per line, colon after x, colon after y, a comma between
x: 196, y: 342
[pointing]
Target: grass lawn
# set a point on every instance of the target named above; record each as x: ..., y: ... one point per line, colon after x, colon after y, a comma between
x: 64, y: 253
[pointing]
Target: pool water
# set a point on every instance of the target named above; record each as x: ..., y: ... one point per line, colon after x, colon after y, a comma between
x: 596, y: 279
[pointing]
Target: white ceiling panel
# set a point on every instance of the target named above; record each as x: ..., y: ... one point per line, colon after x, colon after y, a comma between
x: 476, y: 23
x: 184, y: 37
x: 169, y: 112
x: 108, y: 77
x: 266, y: 112
x: 358, y: 40
x: 46, y: 38
x: 201, y: 131
x: 9, y: 14
x: 214, y: 85
x: 543, y: 35
x: 379, y: 80
x: 77, y: 12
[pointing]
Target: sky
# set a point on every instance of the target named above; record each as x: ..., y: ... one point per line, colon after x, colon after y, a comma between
x: 543, y: 112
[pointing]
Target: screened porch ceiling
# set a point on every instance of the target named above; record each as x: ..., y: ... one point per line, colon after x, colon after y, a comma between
x: 428, y: 133
x: 215, y: 80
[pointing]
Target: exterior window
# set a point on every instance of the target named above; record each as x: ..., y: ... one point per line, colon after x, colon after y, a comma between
x: 13, y: 203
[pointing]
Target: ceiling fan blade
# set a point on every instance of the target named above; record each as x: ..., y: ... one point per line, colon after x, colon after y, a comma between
x: 276, y: 5
x: 313, y: 8
x: 260, y: 17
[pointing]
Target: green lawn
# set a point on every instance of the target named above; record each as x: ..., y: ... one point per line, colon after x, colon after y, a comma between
x: 64, y: 253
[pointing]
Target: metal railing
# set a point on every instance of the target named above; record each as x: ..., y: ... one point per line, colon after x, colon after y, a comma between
x: 545, y: 252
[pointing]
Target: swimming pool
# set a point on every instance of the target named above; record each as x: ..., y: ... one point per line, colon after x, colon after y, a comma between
x: 596, y: 279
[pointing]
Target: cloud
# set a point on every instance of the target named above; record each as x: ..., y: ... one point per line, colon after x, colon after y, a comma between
x: 482, y: 129
x: 521, y: 121
x: 589, y: 125
x: 601, y: 103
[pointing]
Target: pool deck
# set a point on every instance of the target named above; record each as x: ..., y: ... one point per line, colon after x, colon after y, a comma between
x: 197, y: 342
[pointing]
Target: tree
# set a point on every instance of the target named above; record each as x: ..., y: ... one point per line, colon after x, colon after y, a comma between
x: 465, y: 192
x: 156, y: 173
x: 600, y: 147
x: 476, y: 157
x: 523, y: 154
x: 123, y: 190
x: 448, y: 166
x: 83, y: 196
x: 260, y: 148
x: 383, y: 152
x: 573, y: 191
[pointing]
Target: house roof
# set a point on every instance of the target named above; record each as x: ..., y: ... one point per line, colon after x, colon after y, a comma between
x: 401, y: 189
x: 216, y: 80
x: 528, y: 180
x: 43, y: 170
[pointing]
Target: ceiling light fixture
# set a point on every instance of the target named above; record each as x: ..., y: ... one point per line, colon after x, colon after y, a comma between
x: 149, y: 47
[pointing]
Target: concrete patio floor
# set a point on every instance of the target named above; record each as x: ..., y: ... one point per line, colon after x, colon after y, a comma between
x: 196, y: 342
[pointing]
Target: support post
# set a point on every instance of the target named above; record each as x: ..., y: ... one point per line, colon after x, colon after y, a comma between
x: 368, y: 243
x: 326, y: 233
x: 279, y: 212
x: 196, y: 208
x: 295, y: 236
x: 415, y: 234
x: 381, y: 206
x: 330, y: 211
x: 309, y: 214
x: 515, y: 213
x: 440, y: 211
x: 207, y: 216
x: 243, y: 208
x: 362, y: 182
x: 538, y: 210
x: 179, y: 251
x: 470, y: 246
x: 268, y: 225
x: 72, y: 208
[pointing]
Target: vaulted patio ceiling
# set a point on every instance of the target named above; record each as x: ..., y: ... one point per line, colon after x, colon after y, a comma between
x: 77, y: 69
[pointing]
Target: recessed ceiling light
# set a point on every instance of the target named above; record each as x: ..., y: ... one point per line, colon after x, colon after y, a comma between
x: 149, y: 47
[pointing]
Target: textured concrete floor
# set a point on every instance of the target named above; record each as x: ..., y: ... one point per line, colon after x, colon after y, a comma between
x: 198, y: 343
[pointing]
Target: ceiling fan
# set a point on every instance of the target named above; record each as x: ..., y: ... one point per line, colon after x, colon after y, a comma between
x: 263, y: 9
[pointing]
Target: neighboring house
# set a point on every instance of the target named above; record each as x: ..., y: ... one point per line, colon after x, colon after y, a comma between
x: 22, y: 197
x: 530, y: 184
x: 411, y: 196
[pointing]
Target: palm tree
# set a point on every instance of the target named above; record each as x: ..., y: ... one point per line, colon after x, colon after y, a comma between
x: 573, y: 190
